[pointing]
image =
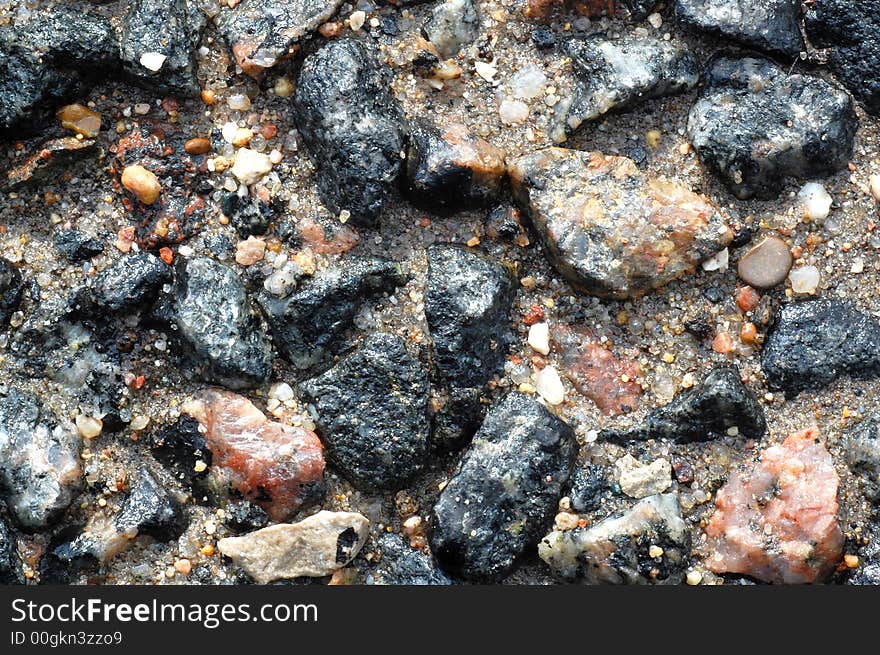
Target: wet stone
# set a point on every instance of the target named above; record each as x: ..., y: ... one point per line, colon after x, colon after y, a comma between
x: 401, y: 564
x: 608, y: 228
x: 40, y: 470
x: 372, y: 413
x: 618, y: 550
x: 589, y: 486
x: 151, y: 510
x: 615, y: 75
x: 182, y: 449
x: 720, y: 403
x: 769, y: 25
x: 766, y: 265
x: 505, y: 492
x: 262, y: 32
x: 309, y: 325
x: 216, y: 325
x: 249, y: 216
x: 777, y: 521
x: 449, y: 169
x: 458, y: 418
x: 850, y: 30
x: 131, y: 282
x: 11, y: 289
x: 452, y: 25
x: 756, y: 125
x: 353, y: 128
x: 813, y: 343
x: 861, y: 444
x: 76, y: 246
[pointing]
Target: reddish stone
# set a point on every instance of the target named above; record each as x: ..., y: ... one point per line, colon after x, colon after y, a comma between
x: 326, y: 239
x: 747, y: 298
x: 597, y: 373
x: 277, y: 466
x: 49, y: 163
x: 535, y: 314
x: 777, y: 522
x: 723, y: 343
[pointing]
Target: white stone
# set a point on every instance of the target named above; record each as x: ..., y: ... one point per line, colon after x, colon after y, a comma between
x: 486, y: 70
x: 528, y: 83
x: 250, y: 166
x: 804, y: 279
x: 152, y: 60
x: 513, y: 111
x: 815, y: 201
x: 281, y: 391
x: 228, y: 131
x: 717, y: 262
x: 656, y: 20
x: 356, y: 20
x: 539, y: 338
x: 874, y: 186
x: 294, y: 550
x: 549, y: 386
x: 639, y: 480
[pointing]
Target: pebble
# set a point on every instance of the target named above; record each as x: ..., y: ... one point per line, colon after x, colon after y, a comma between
x: 250, y: 166
x: 804, y: 279
x: 250, y: 251
x: 639, y: 480
x: 153, y: 61
x: 80, y: 119
x: 539, y: 338
x: 238, y: 102
x: 513, y: 111
x: 197, y: 146
x: 87, y: 426
x: 766, y: 264
x: 142, y: 183
x: 815, y: 201
x: 549, y: 386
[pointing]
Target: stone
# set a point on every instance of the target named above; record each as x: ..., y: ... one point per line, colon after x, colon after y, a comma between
x: 250, y: 251
x: 539, y: 338
x: 468, y: 298
x: 245, y: 516
x: 505, y: 492
x: 401, y: 564
x: 849, y: 31
x: 197, y: 146
x: 353, y: 128
x: 309, y: 325
x: 142, y: 183
x: 777, y: 520
x: 589, y: 485
x: 457, y: 418
x: 639, y: 480
x: 132, y: 282
x: 619, y: 74
x: 215, y: 325
x: 372, y: 413
x: 40, y: 471
x: 861, y: 447
x: 49, y: 163
x: 756, y: 125
x: 608, y: 228
x: 76, y: 246
x: 315, y: 546
x: 276, y: 466
x: 250, y: 166
x: 159, y: 42
x: 449, y: 169
x: 151, y: 510
x: 11, y: 289
x: 182, y: 449
x: 712, y: 409
x: 80, y: 119
x: 619, y: 549
x: 804, y: 279
x: 261, y: 33
x: 452, y: 25
x: 815, y: 202
x: 549, y: 386
x: 10, y: 566
x: 813, y: 343
x: 768, y: 25
x: 766, y: 265
x: 249, y: 216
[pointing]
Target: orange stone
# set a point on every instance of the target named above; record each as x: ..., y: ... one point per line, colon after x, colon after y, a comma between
x: 747, y: 298
x: 723, y: 343
x: 80, y: 119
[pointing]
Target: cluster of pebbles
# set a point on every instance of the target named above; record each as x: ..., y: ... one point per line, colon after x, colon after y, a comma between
x: 431, y: 293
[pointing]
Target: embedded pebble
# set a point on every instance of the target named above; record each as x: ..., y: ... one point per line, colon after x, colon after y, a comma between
x: 766, y: 265
x: 804, y: 279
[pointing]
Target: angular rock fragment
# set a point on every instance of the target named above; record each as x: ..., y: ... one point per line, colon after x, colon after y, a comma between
x: 11, y: 288
x: 249, y: 216
x: 216, y: 325
x: 244, y: 516
x: 450, y: 169
x: 619, y: 550
x: 453, y: 24
x: 709, y: 410
x: 458, y: 414
x: 850, y: 31
x: 10, y: 567
x: 76, y: 246
x: 309, y: 325
x: 769, y: 25
x: 589, y: 485
x: 353, y: 128
x: 757, y: 125
x: 401, y: 564
x: 813, y: 343
x: 614, y: 75
x: 182, y: 449
x: 49, y: 163
x: 279, y: 467
x: 639, y: 480
x: 150, y: 510
x: 316, y: 546
x: 131, y: 282
x: 373, y: 413
x: 40, y: 471
x: 505, y: 491
x: 861, y: 444
x: 608, y: 228
x: 263, y: 32
x: 777, y: 521
x: 159, y: 42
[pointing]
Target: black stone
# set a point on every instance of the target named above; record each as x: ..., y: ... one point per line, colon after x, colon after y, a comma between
x: 11, y: 288
x: 755, y: 125
x: 813, y: 343
x: 10, y: 567
x: 543, y: 39
x: 401, y: 564
x: 76, y: 246
x: 309, y: 324
x: 130, y: 283
x: 589, y: 485
x: 505, y: 492
x: 244, y: 516
x: 248, y: 215
x: 151, y: 510
x: 179, y: 446
x: 468, y: 298
x: 352, y: 126
x: 372, y: 412
x: 706, y: 411
x: 458, y: 419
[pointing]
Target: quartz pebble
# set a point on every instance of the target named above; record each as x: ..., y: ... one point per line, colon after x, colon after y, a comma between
x: 549, y: 386
x: 80, y: 119
x: 142, y: 183
x: 513, y: 111
x: 250, y: 166
x: 815, y: 201
x: 641, y: 480
x: 804, y: 279
x: 87, y: 426
x: 539, y: 338
x: 766, y: 264
x: 250, y: 251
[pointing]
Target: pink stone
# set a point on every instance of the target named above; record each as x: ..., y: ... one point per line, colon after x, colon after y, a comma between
x: 778, y: 521
x: 277, y: 466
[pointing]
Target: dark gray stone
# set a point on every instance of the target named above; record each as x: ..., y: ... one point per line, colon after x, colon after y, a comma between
x: 151, y: 510
x: 11, y: 288
x: 589, y: 485
x: 10, y: 566
x: 130, y: 283
x: 401, y: 564
x: 248, y: 215
x: 707, y: 411
x: 756, y: 125
x: 813, y: 343
x: 308, y: 325
x: 76, y: 246
x: 352, y: 126
x: 179, y: 446
x: 861, y: 446
x: 505, y: 493
x: 372, y: 412
x: 245, y: 516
